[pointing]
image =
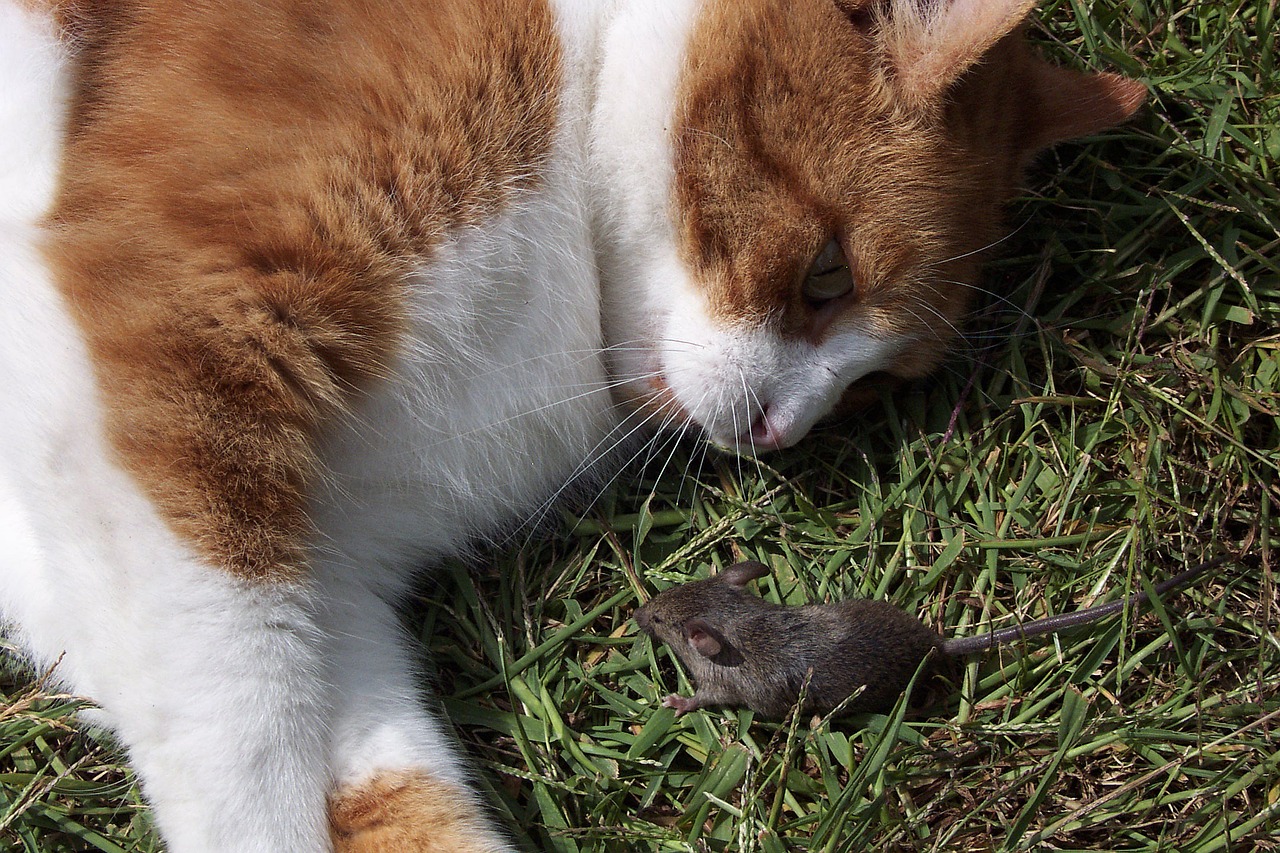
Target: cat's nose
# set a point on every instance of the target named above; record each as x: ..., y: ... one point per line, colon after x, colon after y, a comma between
x: 766, y: 433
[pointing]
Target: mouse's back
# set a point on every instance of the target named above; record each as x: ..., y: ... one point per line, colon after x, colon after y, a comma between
x: 865, y: 644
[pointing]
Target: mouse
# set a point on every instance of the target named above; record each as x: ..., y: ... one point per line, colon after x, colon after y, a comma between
x: 744, y: 651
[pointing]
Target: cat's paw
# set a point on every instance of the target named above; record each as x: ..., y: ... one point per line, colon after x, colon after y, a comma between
x: 409, y: 812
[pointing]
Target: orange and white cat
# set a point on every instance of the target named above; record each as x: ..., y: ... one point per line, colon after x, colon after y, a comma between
x: 300, y: 295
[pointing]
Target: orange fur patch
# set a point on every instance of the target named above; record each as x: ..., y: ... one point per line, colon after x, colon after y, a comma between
x: 245, y: 186
x: 408, y: 813
x: 793, y: 127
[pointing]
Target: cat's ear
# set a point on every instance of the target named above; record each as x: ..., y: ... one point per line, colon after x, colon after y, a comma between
x: 1078, y: 103
x: 929, y: 44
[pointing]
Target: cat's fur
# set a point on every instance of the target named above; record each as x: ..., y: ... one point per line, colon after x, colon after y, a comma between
x: 298, y: 296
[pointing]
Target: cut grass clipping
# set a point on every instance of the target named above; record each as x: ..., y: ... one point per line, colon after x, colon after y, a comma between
x: 1113, y: 419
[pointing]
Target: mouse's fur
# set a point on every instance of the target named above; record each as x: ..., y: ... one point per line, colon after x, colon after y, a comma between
x: 743, y: 650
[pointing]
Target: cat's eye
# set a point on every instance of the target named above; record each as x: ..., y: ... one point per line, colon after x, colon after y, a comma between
x: 829, y: 276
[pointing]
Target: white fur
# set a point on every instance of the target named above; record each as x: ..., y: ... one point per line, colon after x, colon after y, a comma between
x: 242, y: 706
x: 643, y: 51
x: 33, y: 89
x: 751, y: 389
x: 182, y: 660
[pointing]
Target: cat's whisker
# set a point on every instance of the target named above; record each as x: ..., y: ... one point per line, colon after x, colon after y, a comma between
x: 675, y: 441
x: 918, y: 299
x: 586, y: 355
x: 603, y: 449
x: 590, y: 391
x: 733, y: 413
x: 754, y: 403
x: 693, y: 345
x: 704, y: 453
x: 643, y: 418
x: 423, y: 356
x: 686, y: 476
x: 647, y: 449
x: 928, y: 326
x: 682, y: 433
x: 748, y: 399
x: 996, y: 242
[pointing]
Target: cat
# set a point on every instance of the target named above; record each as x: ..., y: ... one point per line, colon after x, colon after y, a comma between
x: 301, y: 296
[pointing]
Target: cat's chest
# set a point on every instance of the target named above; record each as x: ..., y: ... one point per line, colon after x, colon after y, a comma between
x: 498, y: 395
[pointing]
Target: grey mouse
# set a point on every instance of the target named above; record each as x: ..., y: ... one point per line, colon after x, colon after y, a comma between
x: 744, y: 651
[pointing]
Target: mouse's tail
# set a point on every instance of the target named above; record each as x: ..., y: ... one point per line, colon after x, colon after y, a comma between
x: 1062, y: 621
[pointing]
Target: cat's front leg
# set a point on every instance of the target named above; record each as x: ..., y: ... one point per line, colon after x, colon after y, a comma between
x: 213, y: 687
x: 400, y: 786
x: 225, y: 718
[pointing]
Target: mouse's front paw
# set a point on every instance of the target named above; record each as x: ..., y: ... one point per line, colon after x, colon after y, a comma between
x: 682, y: 704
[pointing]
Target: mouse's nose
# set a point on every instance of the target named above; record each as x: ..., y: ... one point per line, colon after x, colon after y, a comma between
x: 643, y: 620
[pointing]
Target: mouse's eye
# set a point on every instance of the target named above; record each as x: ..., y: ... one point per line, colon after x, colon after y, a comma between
x: 829, y: 276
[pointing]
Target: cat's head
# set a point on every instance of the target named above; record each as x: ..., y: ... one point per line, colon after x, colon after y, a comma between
x: 795, y: 194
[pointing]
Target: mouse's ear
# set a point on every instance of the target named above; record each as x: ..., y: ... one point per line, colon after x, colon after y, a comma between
x: 741, y: 574
x: 705, y: 639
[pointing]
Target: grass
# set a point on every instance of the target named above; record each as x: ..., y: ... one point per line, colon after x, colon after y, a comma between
x: 1115, y: 416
